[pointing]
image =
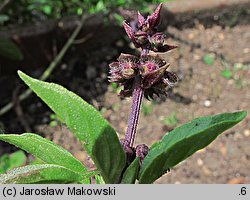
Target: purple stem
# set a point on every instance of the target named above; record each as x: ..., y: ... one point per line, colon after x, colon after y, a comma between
x: 138, y: 93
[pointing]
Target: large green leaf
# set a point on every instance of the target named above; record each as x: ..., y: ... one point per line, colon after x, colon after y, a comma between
x: 44, y: 173
x: 131, y: 173
x: 45, y: 150
x: 95, y: 133
x: 9, y: 49
x: 183, y: 141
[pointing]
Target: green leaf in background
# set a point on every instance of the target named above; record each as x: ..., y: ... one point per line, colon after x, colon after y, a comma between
x: 17, y: 159
x: 93, y: 131
x: 44, y: 173
x: 171, y: 120
x: 209, y: 59
x: 8, y: 162
x: 47, y: 9
x: 100, y: 6
x: 119, y: 18
x: 4, y: 18
x: 9, y: 49
x: 45, y: 150
x: 183, y: 141
x: 79, y: 11
x: 227, y: 73
x: 131, y: 173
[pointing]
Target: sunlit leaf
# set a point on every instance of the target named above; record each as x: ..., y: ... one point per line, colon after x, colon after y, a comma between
x: 44, y: 173
x: 94, y: 132
x: 45, y: 150
x: 131, y: 173
x: 183, y: 141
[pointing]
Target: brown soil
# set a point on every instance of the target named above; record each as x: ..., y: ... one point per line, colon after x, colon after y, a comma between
x: 202, y: 90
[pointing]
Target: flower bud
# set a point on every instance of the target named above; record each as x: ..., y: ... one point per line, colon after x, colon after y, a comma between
x: 141, y: 151
x: 157, y: 40
x: 124, y: 68
x: 141, y: 38
x: 150, y: 63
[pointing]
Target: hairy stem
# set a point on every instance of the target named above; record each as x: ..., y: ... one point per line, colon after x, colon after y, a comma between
x: 138, y: 93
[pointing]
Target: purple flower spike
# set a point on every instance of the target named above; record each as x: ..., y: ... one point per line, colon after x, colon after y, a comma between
x: 155, y: 79
x: 144, y: 76
x: 146, y: 36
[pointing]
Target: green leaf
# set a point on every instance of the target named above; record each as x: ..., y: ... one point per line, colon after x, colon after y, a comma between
x: 87, y: 178
x: 4, y: 18
x: 100, y: 6
x: 79, y: 11
x: 17, y: 159
x: 119, y: 18
x: 131, y: 173
x: 227, y: 74
x: 209, y: 59
x: 99, y: 179
x: 44, y: 173
x: 4, y: 163
x: 94, y: 132
x: 8, y: 162
x: 86, y: 181
x: 53, y: 123
x: 45, y: 150
x: 183, y: 141
x: 172, y: 120
x: 9, y: 49
x: 47, y: 9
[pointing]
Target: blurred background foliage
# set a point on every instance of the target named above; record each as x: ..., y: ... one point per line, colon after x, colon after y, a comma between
x: 10, y: 161
x: 23, y: 11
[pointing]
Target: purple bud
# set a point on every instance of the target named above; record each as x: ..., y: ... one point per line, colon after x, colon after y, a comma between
x: 140, y: 38
x: 170, y: 78
x: 149, y: 63
x: 157, y: 39
x: 129, y: 61
x: 154, y: 19
x: 124, y: 68
x: 157, y: 43
x: 153, y: 77
x: 164, y: 48
x: 141, y: 20
x: 141, y: 151
x: 129, y: 30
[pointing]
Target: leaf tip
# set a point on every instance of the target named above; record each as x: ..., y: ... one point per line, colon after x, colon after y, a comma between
x: 243, y: 114
x: 21, y: 74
